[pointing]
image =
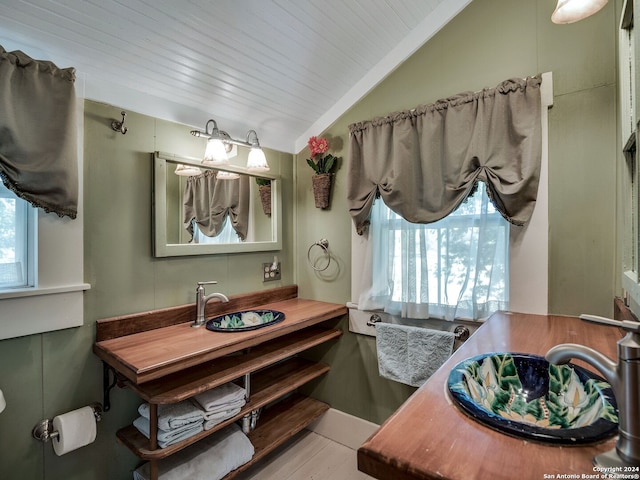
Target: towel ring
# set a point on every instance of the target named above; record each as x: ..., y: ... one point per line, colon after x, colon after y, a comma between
x: 323, y: 243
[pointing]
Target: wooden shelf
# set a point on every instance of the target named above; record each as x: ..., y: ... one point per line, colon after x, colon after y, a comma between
x: 278, y: 424
x: 267, y: 386
x: 189, y: 382
x: 165, y: 361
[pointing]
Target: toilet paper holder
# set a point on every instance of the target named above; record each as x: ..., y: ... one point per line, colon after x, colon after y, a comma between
x: 44, y: 431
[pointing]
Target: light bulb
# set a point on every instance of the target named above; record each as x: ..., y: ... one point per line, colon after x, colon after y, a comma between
x: 257, y: 161
x: 216, y: 153
x: 187, y: 170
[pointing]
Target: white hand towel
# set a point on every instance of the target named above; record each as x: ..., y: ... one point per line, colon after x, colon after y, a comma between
x: 168, y: 437
x: 211, y: 458
x: 222, y: 395
x: 409, y: 354
x: 174, y: 415
x: 216, y: 418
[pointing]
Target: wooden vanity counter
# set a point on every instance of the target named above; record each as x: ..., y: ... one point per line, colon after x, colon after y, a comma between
x: 430, y: 438
x: 164, y: 360
x: 156, y: 352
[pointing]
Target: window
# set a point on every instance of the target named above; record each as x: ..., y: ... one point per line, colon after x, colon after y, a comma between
x: 454, y: 268
x: 528, y: 277
x: 226, y: 235
x: 631, y: 181
x: 54, y: 299
x: 17, y: 241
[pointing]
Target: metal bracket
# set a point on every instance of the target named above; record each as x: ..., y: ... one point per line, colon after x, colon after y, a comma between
x: 107, y: 385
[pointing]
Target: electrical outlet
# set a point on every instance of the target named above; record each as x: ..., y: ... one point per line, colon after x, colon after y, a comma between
x: 269, y: 274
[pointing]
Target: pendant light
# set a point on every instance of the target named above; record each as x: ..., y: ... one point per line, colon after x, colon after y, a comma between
x: 570, y: 11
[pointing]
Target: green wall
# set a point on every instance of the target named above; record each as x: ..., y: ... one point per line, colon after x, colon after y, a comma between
x: 52, y: 373
x: 491, y: 40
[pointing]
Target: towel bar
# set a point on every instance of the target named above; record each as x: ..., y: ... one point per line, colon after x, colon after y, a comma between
x: 461, y: 332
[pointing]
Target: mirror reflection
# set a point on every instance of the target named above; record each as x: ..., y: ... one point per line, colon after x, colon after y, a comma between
x: 206, y: 210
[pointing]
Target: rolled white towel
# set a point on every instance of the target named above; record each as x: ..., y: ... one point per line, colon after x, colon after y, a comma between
x: 168, y: 437
x: 211, y: 458
x: 223, y: 395
x: 174, y: 415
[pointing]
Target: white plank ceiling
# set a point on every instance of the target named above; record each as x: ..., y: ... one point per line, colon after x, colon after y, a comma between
x: 286, y: 68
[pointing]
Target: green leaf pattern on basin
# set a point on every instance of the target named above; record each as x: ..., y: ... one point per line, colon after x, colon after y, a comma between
x: 494, y: 384
x: 246, y: 319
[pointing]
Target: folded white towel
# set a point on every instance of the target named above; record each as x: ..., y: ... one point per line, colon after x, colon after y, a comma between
x: 216, y: 418
x: 222, y: 395
x: 409, y: 354
x: 174, y: 415
x: 223, y: 408
x: 211, y: 458
x: 168, y: 437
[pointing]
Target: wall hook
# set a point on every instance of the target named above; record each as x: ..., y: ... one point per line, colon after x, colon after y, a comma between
x: 119, y: 126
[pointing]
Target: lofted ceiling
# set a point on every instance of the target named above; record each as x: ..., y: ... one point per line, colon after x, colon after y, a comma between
x: 285, y: 68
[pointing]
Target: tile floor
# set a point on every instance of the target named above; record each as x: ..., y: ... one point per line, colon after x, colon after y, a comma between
x: 308, y: 456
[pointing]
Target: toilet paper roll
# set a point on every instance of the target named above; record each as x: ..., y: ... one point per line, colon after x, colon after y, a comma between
x: 75, y: 429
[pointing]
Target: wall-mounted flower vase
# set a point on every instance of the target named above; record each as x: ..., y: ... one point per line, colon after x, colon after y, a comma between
x: 322, y: 189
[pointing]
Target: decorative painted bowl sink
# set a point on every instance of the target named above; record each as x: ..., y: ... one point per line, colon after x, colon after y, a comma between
x: 525, y: 396
x: 246, y: 320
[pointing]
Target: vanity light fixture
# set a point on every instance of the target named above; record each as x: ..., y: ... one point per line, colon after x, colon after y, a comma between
x: 570, y: 11
x: 219, y: 143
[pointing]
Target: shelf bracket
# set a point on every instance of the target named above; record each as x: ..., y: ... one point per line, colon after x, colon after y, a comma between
x: 107, y: 385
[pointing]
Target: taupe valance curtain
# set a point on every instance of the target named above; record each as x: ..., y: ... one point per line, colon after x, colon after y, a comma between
x: 426, y: 161
x: 38, y: 141
x: 210, y: 201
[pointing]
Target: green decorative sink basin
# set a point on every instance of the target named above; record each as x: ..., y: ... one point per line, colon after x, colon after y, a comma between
x: 525, y: 396
x: 246, y: 320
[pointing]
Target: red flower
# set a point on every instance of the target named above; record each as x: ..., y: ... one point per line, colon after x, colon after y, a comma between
x: 317, y: 145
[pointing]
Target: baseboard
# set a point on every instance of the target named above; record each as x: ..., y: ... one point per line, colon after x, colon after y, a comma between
x: 343, y: 428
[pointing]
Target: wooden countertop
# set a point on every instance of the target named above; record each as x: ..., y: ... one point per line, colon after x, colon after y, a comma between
x: 430, y: 438
x: 152, y: 354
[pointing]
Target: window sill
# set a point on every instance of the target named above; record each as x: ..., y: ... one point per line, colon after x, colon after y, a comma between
x: 32, y: 292
x: 631, y: 286
x: 39, y: 310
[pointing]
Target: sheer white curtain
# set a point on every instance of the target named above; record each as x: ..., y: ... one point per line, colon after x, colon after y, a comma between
x: 456, y: 267
x: 227, y: 234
